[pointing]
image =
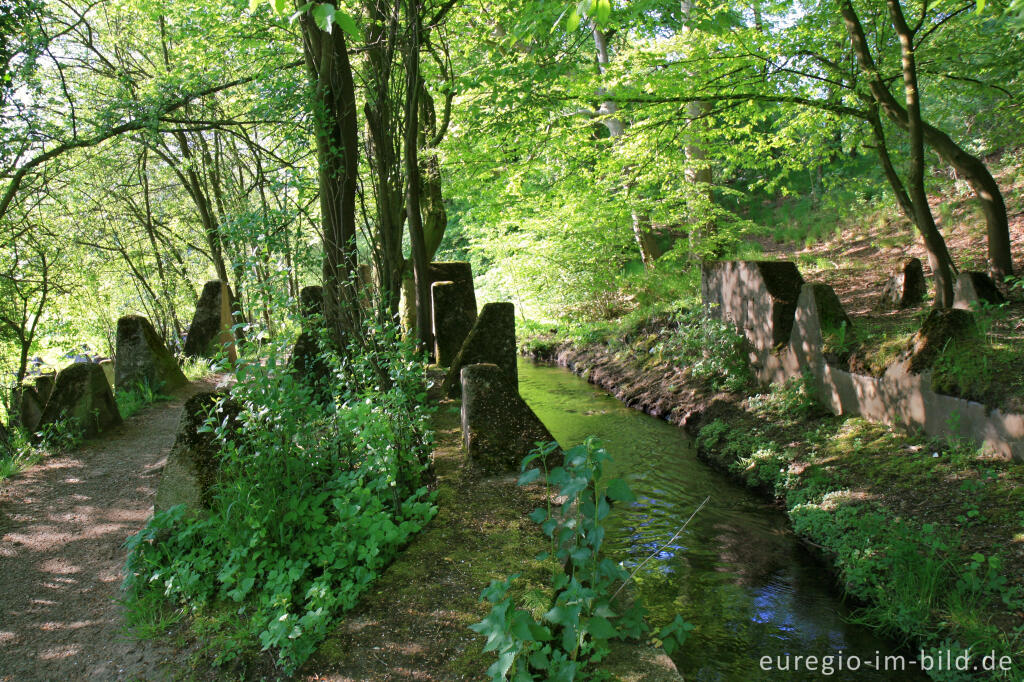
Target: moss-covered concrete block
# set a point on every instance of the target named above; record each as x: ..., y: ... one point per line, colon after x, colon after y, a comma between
x: 938, y: 329
x: 44, y: 386
x: 143, y: 357
x: 194, y: 464
x: 906, y: 288
x: 82, y: 393
x: 454, y: 310
x: 311, y: 305
x: 210, y: 324
x: 491, y: 340
x: 498, y: 427
x: 26, y: 408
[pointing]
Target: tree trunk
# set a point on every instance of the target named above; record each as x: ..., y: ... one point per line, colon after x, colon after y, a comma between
x: 412, y: 177
x: 337, y: 139
x: 384, y: 140
x: 972, y: 168
x: 645, y: 240
x: 435, y: 216
x: 942, y: 266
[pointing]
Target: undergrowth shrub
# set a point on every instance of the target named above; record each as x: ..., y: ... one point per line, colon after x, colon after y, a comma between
x: 583, y: 614
x: 22, y: 449
x: 711, y: 350
x: 315, y: 498
x: 131, y: 400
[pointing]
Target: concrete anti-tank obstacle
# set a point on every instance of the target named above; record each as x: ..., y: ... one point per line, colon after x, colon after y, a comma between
x: 307, y: 362
x: 460, y: 272
x: 454, y: 311
x: 973, y: 289
x: 491, y: 340
x: 498, y: 427
x: 211, y: 323
x: 906, y: 288
x: 143, y: 358
x: 26, y: 408
x: 82, y: 394
x: 194, y: 463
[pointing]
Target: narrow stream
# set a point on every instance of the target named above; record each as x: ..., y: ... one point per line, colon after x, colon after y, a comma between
x: 737, y: 572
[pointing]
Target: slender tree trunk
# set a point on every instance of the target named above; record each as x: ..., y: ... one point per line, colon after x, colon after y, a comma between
x: 384, y: 145
x: 412, y: 177
x: 942, y: 265
x: 337, y: 146
x: 698, y: 172
x: 646, y: 242
x: 972, y: 168
x: 435, y: 216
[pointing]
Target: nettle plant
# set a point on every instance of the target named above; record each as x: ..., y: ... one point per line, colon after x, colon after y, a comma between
x: 584, y: 614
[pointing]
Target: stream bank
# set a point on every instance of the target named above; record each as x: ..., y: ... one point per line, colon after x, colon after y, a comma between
x: 927, y: 535
x: 414, y: 622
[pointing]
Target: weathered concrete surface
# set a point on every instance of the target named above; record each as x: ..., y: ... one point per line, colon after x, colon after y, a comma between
x: 903, y: 395
x: 906, y: 288
x: 759, y: 297
x: 938, y: 329
x: 491, y: 340
x: 311, y: 305
x: 460, y: 272
x: 498, y: 427
x: 308, y: 364
x: 143, y: 358
x: 26, y: 408
x: 435, y: 379
x: 454, y: 310
x: 194, y: 464
x: 211, y: 324
x: 974, y: 288
x: 44, y: 386
x: 108, y: 370
x: 82, y: 393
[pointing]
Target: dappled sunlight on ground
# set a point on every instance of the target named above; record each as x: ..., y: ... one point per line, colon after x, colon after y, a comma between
x: 63, y: 524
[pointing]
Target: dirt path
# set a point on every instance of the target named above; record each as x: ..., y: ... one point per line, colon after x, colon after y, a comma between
x: 62, y: 526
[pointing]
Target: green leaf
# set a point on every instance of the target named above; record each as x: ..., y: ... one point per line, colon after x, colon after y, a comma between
x: 521, y: 622
x: 529, y: 477
x: 323, y: 15
x: 601, y: 627
x: 253, y: 4
x: 572, y: 22
x: 604, y: 11
x: 348, y: 24
x: 619, y: 491
x: 539, y: 515
x: 280, y: 6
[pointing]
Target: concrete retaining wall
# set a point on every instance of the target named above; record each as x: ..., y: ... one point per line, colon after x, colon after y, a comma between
x: 786, y: 341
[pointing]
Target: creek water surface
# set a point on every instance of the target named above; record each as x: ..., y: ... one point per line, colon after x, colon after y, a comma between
x: 736, y: 572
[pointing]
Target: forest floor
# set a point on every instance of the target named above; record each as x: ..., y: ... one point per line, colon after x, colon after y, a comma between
x: 859, y: 260
x: 63, y: 524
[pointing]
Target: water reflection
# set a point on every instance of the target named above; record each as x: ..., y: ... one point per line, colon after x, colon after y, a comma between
x: 735, y: 572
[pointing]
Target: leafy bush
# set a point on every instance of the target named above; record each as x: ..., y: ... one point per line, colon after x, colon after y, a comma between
x: 22, y: 449
x: 710, y: 349
x: 314, y: 500
x: 583, y: 614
